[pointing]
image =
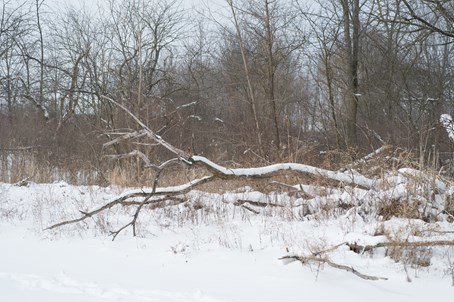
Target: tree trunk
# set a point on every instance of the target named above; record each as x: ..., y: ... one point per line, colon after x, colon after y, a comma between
x: 351, y: 40
x: 271, y: 74
x: 248, y: 78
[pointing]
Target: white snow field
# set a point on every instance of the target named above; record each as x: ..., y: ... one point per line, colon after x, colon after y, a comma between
x: 208, y: 249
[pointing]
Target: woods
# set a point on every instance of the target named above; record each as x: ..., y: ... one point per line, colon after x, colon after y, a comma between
x: 248, y: 82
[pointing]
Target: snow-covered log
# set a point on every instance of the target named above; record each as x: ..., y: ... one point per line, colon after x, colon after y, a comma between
x: 344, y: 177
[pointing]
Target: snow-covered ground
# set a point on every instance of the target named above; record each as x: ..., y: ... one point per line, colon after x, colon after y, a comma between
x: 205, y: 250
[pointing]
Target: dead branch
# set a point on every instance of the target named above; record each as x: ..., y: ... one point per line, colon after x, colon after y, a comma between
x: 241, y: 202
x: 88, y: 214
x: 366, y: 158
x: 438, y: 231
x: 132, y: 154
x: 249, y: 204
x: 180, y: 153
x: 134, y: 134
x: 306, y: 259
x: 156, y: 203
x: 318, y: 253
x: 145, y: 193
x: 245, y: 206
x: 165, y: 164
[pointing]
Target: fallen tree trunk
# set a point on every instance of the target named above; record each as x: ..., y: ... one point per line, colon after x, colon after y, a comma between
x: 218, y: 172
x: 343, y: 177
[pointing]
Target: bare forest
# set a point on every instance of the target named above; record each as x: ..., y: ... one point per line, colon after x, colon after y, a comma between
x: 246, y: 83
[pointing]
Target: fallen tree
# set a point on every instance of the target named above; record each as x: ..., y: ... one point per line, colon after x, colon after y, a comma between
x: 354, y: 191
x: 156, y: 194
x: 404, y: 192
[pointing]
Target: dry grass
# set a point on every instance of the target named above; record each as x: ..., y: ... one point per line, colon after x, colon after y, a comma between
x: 27, y: 166
x: 397, y: 208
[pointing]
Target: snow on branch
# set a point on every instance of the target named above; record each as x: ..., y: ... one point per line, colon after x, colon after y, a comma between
x: 345, y: 177
x: 366, y: 158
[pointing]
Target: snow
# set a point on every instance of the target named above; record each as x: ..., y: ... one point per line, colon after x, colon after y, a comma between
x: 187, y: 105
x: 448, y: 123
x: 214, y: 252
x: 195, y: 117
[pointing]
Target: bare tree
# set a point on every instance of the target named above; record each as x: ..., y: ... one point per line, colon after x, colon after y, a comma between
x: 351, y: 24
x: 251, y: 91
x: 436, y: 16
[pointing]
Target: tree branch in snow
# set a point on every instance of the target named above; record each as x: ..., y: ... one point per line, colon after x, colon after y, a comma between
x: 144, y: 193
x: 307, y: 259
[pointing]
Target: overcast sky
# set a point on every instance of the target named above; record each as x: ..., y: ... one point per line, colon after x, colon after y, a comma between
x: 94, y: 3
